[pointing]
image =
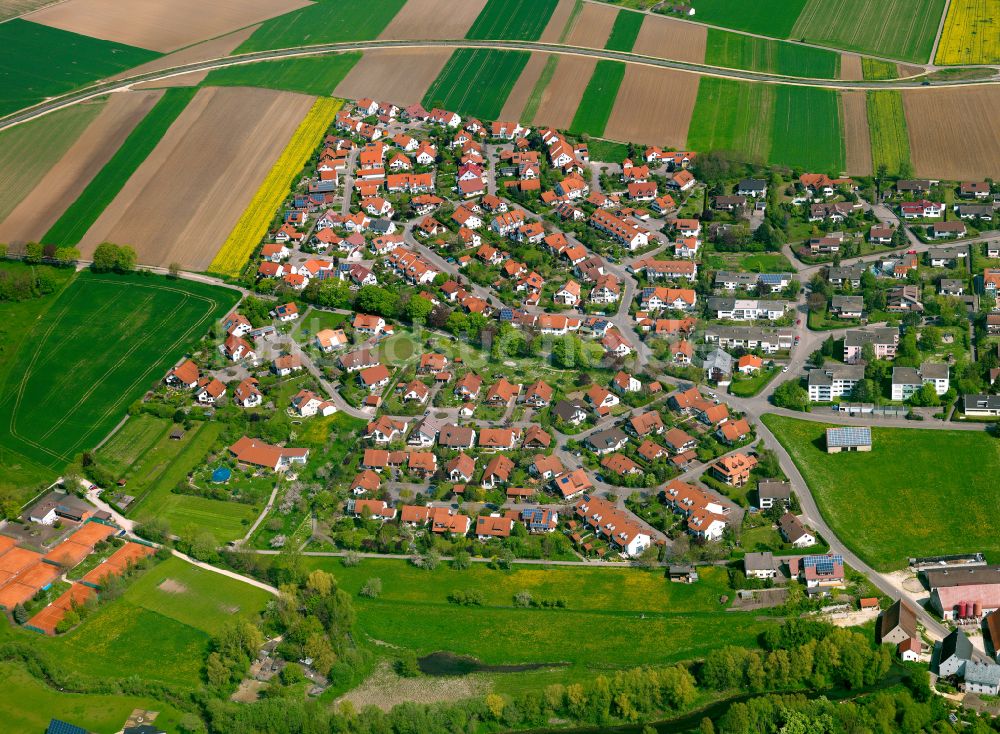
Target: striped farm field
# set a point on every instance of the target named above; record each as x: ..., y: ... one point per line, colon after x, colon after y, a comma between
x: 807, y: 129
x: 739, y: 51
x: 773, y: 18
x: 625, y: 30
x: 318, y: 75
x: 522, y: 20
x: 252, y: 225
x: 887, y: 126
x: 971, y: 33
x: 476, y: 81
x: 733, y: 116
x: 102, y: 189
x: 599, y: 98
x: 897, y: 29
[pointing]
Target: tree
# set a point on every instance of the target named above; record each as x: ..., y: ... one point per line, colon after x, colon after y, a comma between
x: 926, y: 395
x: 174, y: 269
x: 33, y: 252
x: 495, y: 703
x: 126, y: 259
x: 203, y: 546
x: 320, y: 582
x: 67, y: 255
x: 418, y: 309
x: 791, y: 395
x: 865, y: 391
x: 20, y: 614
x: 817, y: 302
x: 374, y: 299
x: 372, y: 588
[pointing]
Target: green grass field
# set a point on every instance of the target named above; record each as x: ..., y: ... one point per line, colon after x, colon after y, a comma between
x: 318, y: 75
x: 512, y: 20
x: 97, y: 348
x: 874, y: 69
x: 598, y: 99
x: 733, y: 116
x: 607, y: 150
x: 917, y: 493
x: 29, y: 151
x: 155, y: 464
x: 614, y: 618
x: 18, y: 471
x: 326, y: 21
x: 38, y: 62
x: 27, y: 705
x: 887, y: 128
x: 162, y: 633
x: 897, y: 29
x: 625, y: 30
x: 737, y: 51
x: 807, y: 129
x: 773, y: 18
x: 82, y: 213
x: 476, y: 81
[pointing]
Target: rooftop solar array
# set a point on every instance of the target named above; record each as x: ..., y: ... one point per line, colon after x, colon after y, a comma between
x: 823, y: 564
x: 859, y: 436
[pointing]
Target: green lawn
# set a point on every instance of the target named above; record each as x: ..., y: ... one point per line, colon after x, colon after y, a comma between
x: 82, y: 213
x: 887, y: 129
x: 325, y: 21
x: 614, y: 618
x: 737, y: 51
x: 807, y: 129
x: 917, y: 493
x: 598, y: 98
x: 733, y: 116
x: 747, y: 387
x: 38, y: 62
x: 164, y: 465
x: 898, y: 29
x: 29, y: 151
x: 27, y: 705
x: 874, y: 69
x: 318, y: 75
x: 607, y: 150
x: 476, y: 81
x: 512, y: 20
x: 98, y: 347
x: 161, y: 633
x: 625, y: 30
x: 773, y: 18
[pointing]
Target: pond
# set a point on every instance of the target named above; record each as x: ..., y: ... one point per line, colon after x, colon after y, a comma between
x: 448, y: 663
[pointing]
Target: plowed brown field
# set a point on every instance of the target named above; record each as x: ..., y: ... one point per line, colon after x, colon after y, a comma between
x: 399, y: 75
x: 850, y: 67
x: 40, y: 209
x: 519, y: 95
x: 183, y: 201
x: 562, y: 96
x: 954, y: 133
x: 554, y: 28
x: 854, y: 109
x: 423, y: 20
x: 671, y: 39
x: 592, y: 26
x: 213, y: 49
x: 157, y: 25
x: 654, y: 106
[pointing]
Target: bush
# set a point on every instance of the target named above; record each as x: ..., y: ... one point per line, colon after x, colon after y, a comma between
x: 471, y: 598
x: 372, y: 588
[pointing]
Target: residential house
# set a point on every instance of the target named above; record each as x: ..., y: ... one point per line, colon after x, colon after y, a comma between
x: 795, y: 532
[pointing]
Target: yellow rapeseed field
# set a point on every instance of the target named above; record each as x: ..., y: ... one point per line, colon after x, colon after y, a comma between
x: 252, y: 225
x: 971, y: 33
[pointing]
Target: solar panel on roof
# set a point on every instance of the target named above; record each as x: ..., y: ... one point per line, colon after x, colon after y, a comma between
x: 851, y: 436
x: 823, y: 564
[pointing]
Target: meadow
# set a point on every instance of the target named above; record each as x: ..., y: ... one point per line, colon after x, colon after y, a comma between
x: 317, y: 75
x: 27, y: 705
x: 326, y: 21
x: 512, y: 20
x: 887, y: 127
x: 733, y: 116
x: 102, y: 189
x: 96, y: 349
x: 897, y: 29
x: 807, y: 130
x: 607, y: 150
x: 737, y: 51
x: 614, y: 618
x: 917, y: 493
x: 37, y: 61
x: 153, y: 464
x: 476, y: 82
x: 773, y: 18
x: 29, y: 151
x: 971, y: 33
x: 161, y: 631
x: 624, y: 31
x: 598, y: 99
x: 874, y: 69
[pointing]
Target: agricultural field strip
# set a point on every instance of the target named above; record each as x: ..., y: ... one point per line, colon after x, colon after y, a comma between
x: 192, y: 328
x: 971, y: 33
x: 100, y: 89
